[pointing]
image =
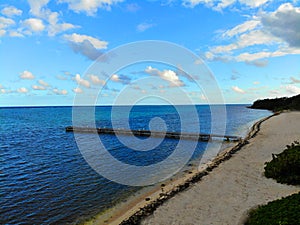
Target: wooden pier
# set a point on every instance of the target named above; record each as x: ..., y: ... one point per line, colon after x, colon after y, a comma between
x: 148, y: 133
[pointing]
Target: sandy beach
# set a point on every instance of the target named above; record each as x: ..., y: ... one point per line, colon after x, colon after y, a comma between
x: 236, y: 185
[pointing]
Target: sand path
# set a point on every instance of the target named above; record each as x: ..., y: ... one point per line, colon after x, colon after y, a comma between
x: 236, y: 185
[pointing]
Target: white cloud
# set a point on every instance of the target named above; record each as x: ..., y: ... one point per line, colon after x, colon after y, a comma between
x: 86, y: 45
x: 81, y: 81
x: 115, y: 78
x: 36, y: 6
x: 168, y: 75
x: 11, y: 11
x: 39, y: 9
x: 247, y: 57
x: 193, y: 3
x: 284, y: 23
x: 256, y: 82
x: 203, y: 97
x: 277, y: 33
x: 292, y: 89
x: 254, y: 3
x: 253, y: 56
x: 22, y: 90
x: 258, y: 63
x: 295, y: 80
x: 95, y: 80
x: 78, y: 38
x: 56, y: 27
x: 224, y: 48
x: 2, y: 33
x: 77, y: 90
x: 60, y: 92
x: 242, y: 28
x: 60, y: 27
x: 132, y: 7
x: 224, y: 4
x: 238, y: 90
x: 27, y: 75
x: 14, y: 33
x: 220, y: 4
x: 199, y: 62
x: 144, y: 26
x: 34, y: 24
x: 6, y: 22
x: 38, y: 87
x: 255, y: 37
x: 89, y: 6
x: 43, y: 83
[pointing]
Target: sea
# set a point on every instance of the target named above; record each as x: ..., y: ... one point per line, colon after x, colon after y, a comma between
x: 45, y: 179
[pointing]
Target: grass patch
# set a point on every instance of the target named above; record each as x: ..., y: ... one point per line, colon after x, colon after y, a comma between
x: 285, y: 167
x: 285, y: 211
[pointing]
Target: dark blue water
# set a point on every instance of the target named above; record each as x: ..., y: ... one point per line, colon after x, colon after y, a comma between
x: 45, y: 180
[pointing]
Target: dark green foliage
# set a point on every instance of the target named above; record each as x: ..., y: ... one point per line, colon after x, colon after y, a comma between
x: 278, y: 104
x: 285, y: 167
x: 285, y: 211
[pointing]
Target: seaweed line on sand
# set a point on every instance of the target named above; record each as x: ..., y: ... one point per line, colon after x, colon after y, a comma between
x: 148, y: 209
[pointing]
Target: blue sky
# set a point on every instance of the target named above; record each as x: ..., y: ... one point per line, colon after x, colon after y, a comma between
x: 252, y: 47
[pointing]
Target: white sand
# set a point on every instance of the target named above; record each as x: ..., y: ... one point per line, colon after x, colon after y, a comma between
x: 237, y: 185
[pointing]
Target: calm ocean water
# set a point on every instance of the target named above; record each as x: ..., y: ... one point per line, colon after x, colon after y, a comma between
x: 44, y: 178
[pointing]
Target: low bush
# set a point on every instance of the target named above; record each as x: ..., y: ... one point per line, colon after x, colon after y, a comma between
x: 285, y: 211
x: 285, y: 167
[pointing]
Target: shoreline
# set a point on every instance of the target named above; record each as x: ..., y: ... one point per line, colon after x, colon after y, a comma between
x: 143, y: 205
x: 237, y: 185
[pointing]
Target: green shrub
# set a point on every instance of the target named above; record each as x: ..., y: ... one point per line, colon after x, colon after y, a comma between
x: 285, y: 167
x: 285, y: 211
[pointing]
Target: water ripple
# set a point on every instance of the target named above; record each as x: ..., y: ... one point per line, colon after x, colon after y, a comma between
x: 45, y: 180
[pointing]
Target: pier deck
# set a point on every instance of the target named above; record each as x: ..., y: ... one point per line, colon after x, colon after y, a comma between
x: 148, y: 133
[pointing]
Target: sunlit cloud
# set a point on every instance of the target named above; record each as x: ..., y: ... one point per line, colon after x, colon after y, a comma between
x: 96, y: 80
x: 34, y: 25
x: 89, y: 7
x: 77, y: 90
x: 37, y: 6
x: 27, y: 75
x: 55, y: 27
x: 294, y: 80
x: 43, y: 83
x: 38, y: 87
x: 144, y: 26
x: 22, y: 90
x: 292, y: 89
x: 86, y: 45
x: 115, y: 78
x: 221, y: 4
x: 133, y: 7
x: 275, y: 32
x: 81, y: 81
x: 11, y: 11
x: 238, y: 90
x: 14, y: 33
x: 60, y: 92
x: 6, y: 22
x: 168, y: 75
